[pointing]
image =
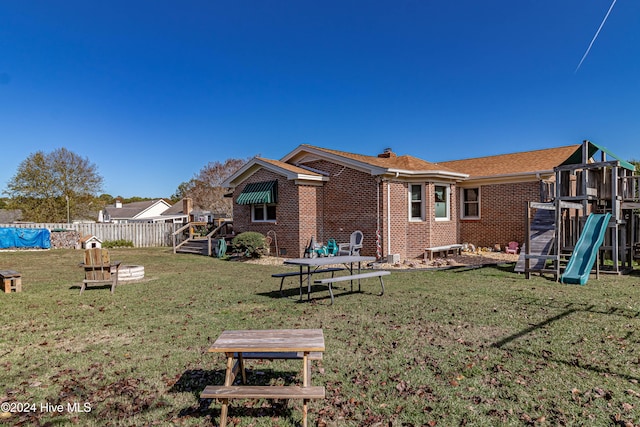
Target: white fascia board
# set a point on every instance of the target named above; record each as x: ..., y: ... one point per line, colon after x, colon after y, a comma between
x: 254, y: 164
x: 303, y: 177
x: 429, y: 174
x: 512, y: 177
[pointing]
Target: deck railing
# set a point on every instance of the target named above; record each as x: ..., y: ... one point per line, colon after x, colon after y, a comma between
x: 629, y: 188
x: 191, y: 231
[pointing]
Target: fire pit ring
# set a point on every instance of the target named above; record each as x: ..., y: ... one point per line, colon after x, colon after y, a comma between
x: 130, y: 273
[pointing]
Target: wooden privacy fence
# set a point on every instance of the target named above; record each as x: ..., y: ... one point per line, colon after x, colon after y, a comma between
x: 143, y: 235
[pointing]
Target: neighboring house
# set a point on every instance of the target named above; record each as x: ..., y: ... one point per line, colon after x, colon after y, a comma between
x: 146, y: 211
x: 402, y: 204
x: 185, y: 211
x: 178, y: 213
x: 156, y: 211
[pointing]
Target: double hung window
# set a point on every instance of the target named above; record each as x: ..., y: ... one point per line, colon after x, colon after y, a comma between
x: 470, y: 203
x: 263, y: 213
x: 416, y: 202
x: 442, y: 195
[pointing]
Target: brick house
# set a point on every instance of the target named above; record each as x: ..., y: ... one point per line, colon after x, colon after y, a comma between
x: 402, y: 204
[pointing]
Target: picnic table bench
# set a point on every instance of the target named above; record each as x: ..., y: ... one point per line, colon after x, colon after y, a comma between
x: 300, y: 273
x: 331, y: 280
x: 455, y: 248
x: 262, y: 392
x: 311, y: 266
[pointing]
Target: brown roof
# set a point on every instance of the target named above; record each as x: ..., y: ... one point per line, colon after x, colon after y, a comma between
x: 515, y: 163
x: 408, y: 163
x: 287, y: 166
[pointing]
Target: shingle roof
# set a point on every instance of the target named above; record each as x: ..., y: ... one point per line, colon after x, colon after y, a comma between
x: 288, y: 166
x: 129, y: 210
x: 405, y: 162
x: 514, y: 163
x: 175, y: 209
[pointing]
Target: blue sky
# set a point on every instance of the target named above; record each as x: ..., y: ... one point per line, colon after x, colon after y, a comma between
x: 151, y: 91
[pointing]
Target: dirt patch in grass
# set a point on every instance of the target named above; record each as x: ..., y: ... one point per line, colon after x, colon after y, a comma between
x: 464, y: 259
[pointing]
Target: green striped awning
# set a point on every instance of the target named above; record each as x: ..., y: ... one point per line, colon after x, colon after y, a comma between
x: 258, y: 193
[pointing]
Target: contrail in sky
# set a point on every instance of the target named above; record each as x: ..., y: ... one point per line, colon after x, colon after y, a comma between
x: 595, y: 36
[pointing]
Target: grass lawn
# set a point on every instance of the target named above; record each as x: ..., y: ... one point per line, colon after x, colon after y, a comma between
x: 476, y: 347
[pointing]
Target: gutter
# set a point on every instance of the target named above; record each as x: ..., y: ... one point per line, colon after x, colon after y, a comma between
x: 428, y: 174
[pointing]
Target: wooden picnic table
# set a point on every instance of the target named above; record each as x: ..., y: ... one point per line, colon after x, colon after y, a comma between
x: 238, y: 345
x: 312, y: 264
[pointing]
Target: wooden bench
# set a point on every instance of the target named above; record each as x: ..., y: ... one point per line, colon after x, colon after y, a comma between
x: 11, y: 281
x: 428, y: 252
x: 331, y: 270
x: 224, y: 393
x: 352, y: 277
x: 262, y: 392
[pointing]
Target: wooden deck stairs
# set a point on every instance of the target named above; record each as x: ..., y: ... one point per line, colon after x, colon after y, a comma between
x: 542, y: 231
x: 186, y: 241
x: 194, y: 246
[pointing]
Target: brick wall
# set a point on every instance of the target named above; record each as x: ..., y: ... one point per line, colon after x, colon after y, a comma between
x: 347, y: 202
x: 502, y: 214
x: 309, y: 216
x: 333, y: 210
x: 410, y: 238
x: 287, y: 225
x: 398, y: 200
x: 444, y: 232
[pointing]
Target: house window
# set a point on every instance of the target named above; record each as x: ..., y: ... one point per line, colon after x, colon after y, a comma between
x: 470, y: 203
x: 262, y: 196
x: 442, y: 202
x: 416, y: 202
x: 263, y: 213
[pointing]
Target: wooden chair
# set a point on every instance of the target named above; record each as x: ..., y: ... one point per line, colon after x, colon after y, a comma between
x: 99, y: 269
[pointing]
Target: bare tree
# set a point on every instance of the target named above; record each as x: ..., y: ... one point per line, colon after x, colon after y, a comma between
x: 205, y: 188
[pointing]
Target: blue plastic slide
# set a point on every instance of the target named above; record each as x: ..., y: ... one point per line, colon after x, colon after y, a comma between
x: 586, y: 250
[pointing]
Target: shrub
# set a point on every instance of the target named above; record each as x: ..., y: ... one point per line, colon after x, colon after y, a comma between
x: 251, y: 243
x: 117, y: 244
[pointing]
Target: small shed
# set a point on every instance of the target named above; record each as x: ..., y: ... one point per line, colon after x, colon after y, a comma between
x: 89, y: 242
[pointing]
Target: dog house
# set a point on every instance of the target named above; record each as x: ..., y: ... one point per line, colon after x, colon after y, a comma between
x: 89, y: 242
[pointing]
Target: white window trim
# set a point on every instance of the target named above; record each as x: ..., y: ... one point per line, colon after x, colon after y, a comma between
x: 422, y: 202
x: 448, y: 200
x: 463, y: 203
x: 264, y: 209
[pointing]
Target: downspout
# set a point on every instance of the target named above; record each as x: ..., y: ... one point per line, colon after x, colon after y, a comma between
x: 388, y: 217
x: 389, y: 214
x: 378, y: 182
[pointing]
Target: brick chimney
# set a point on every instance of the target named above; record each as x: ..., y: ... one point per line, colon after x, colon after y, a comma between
x: 187, y: 206
x: 387, y: 153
